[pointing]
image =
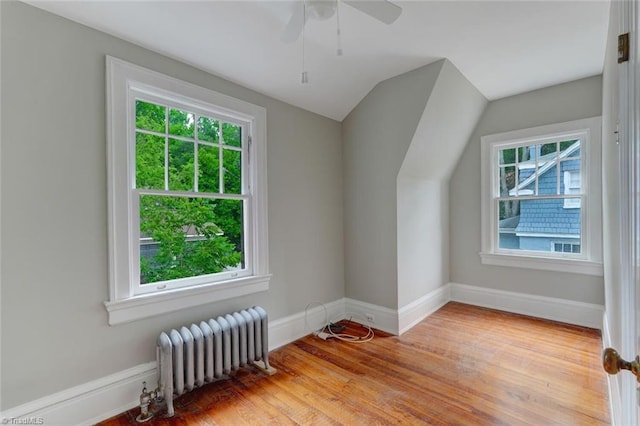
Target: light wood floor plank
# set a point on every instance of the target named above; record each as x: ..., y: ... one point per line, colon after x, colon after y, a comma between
x: 463, y: 365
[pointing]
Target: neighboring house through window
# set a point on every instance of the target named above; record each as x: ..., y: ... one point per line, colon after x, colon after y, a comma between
x: 187, y: 194
x: 541, y: 191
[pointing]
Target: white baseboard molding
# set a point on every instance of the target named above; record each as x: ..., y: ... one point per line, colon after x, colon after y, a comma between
x: 568, y: 311
x: 89, y: 403
x: 100, y: 399
x: 613, y: 385
x: 288, y: 329
x: 111, y: 395
x: 411, y: 314
x: 385, y: 319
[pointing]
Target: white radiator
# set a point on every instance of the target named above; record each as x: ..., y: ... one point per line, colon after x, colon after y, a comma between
x: 198, y: 354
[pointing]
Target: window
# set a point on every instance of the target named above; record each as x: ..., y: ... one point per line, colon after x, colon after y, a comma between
x: 541, y: 197
x: 187, y: 194
x: 190, y: 193
x: 565, y: 247
x: 572, y: 187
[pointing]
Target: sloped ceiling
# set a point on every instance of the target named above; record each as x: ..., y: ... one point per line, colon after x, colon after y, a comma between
x: 501, y: 47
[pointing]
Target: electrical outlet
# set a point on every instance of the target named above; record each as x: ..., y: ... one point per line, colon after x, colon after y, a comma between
x: 370, y: 317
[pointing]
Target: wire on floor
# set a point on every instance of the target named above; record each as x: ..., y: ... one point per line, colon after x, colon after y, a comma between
x: 333, y: 330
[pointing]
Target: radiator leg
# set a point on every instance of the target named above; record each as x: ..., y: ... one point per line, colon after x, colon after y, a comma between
x: 264, y: 364
x: 265, y: 368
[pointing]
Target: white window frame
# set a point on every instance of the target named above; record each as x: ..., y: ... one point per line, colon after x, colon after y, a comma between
x: 569, y: 188
x: 589, y: 261
x: 126, y: 303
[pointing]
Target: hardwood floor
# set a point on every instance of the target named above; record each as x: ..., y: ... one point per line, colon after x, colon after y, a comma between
x: 462, y: 365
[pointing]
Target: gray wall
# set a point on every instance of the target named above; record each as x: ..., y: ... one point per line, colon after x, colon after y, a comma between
x: 452, y: 112
x: 565, y: 102
x: 54, y: 207
x: 401, y: 144
x: 376, y: 136
x: 333, y: 195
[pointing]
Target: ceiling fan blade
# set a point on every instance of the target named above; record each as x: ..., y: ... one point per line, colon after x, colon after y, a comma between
x: 294, y: 27
x: 382, y: 10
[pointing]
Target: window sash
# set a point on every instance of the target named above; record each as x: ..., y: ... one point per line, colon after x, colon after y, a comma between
x: 197, y: 111
x: 135, y: 194
x: 539, y: 168
x: 161, y: 286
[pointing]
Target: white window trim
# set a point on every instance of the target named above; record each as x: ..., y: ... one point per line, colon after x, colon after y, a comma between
x: 590, y: 261
x: 123, y: 306
x: 571, y: 203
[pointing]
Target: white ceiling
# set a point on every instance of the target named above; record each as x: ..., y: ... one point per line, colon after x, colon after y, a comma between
x: 502, y: 47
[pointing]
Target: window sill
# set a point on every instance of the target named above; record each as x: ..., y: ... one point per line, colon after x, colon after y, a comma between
x: 575, y: 266
x: 149, y: 305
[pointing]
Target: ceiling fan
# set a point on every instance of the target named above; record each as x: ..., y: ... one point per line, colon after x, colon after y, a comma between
x: 382, y: 10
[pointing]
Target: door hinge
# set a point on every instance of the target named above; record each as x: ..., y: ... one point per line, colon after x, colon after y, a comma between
x: 623, y: 48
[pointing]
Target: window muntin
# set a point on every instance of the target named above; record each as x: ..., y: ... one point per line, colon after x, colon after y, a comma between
x: 531, y: 194
x: 539, y: 178
x: 187, y: 240
x: 215, y: 126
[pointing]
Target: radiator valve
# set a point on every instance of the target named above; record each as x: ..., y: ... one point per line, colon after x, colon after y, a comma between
x: 145, y: 400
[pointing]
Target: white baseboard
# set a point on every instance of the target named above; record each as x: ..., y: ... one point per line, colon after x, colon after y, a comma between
x: 411, y: 314
x: 615, y: 400
x: 568, y: 311
x: 385, y: 319
x: 89, y: 403
x: 288, y: 329
x: 108, y: 396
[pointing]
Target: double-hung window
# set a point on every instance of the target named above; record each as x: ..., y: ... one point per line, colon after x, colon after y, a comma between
x: 187, y: 194
x: 541, y: 198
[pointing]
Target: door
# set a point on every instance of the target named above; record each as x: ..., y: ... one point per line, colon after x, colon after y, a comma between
x: 629, y: 120
x: 629, y: 233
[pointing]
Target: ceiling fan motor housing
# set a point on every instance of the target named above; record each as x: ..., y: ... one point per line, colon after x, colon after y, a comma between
x: 321, y: 10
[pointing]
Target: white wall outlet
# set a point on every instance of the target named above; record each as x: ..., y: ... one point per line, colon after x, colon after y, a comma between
x: 370, y: 317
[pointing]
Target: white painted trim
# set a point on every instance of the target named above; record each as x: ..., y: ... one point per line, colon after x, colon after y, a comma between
x: 100, y: 399
x: 144, y: 306
x: 574, y: 266
x: 411, y: 314
x: 385, y: 319
x: 541, y: 234
x: 288, y: 329
x: 108, y: 396
x: 613, y: 385
x: 588, y: 130
x: 568, y: 311
x: 91, y: 402
x: 123, y: 79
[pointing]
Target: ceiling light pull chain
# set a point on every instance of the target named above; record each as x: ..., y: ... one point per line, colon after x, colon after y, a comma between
x: 338, y: 32
x: 304, y: 78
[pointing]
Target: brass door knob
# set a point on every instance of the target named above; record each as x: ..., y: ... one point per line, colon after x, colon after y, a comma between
x: 613, y: 363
